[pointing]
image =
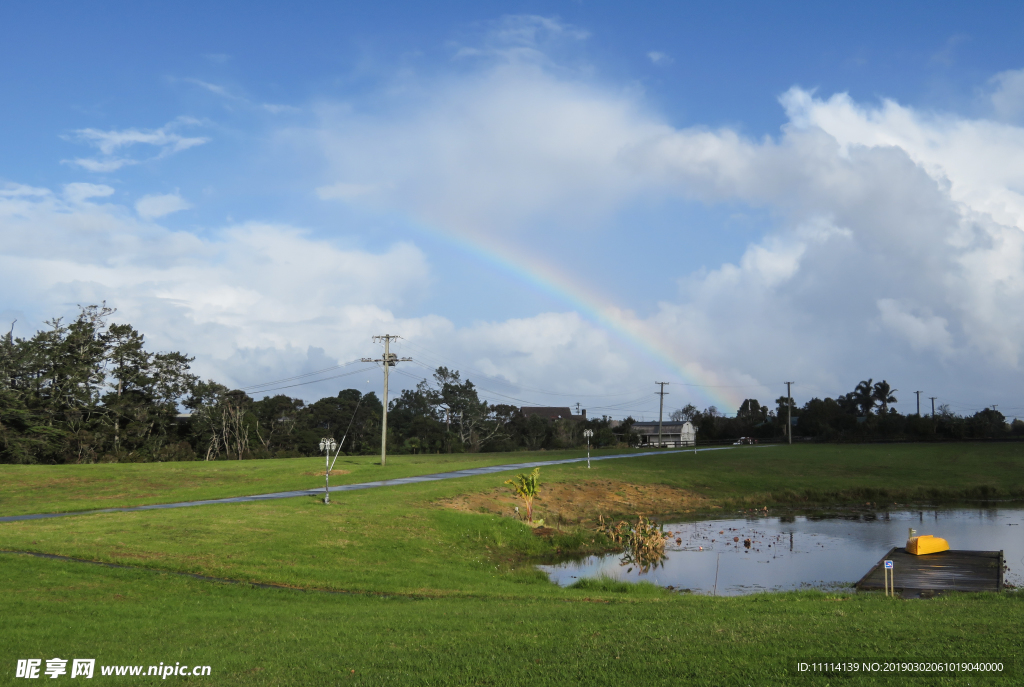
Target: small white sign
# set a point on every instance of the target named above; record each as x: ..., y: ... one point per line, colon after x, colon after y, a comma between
x: 888, y: 564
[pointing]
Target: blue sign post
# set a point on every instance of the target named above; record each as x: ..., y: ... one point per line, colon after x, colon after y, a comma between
x: 889, y: 582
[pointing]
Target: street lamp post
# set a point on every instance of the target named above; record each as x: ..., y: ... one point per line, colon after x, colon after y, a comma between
x: 588, y: 433
x: 327, y: 445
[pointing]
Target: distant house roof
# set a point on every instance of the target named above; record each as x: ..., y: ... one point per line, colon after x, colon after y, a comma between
x: 552, y: 413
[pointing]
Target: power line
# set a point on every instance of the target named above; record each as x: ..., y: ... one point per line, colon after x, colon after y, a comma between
x: 307, y: 374
x: 315, y: 381
x: 478, y: 373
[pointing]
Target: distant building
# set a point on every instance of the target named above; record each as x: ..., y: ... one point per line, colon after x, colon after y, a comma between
x: 672, y: 433
x: 553, y: 413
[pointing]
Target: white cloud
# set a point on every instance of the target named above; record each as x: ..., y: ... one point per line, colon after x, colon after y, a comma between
x: 922, y: 332
x: 498, y: 152
x: 523, y: 38
x: 78, y: 192
x: 893, y: 227
x: 109, y: 142
x: 165, y: 139
x: 249, y: 287
x: 100, y: 166
x: 153, y: 206
x: 928, y: 234
x: 896, y: 248
x: 21, y: 190
x: 257, y: 301
x: 661, y: 58
x: 1008, y: 94
x: 223, y: 92
x: 344, y: 191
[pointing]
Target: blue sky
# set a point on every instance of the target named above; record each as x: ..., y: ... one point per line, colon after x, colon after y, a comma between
x: 573, y: 198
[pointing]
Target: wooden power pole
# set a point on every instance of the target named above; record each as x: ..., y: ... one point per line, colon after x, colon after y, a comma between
x: 389, y: 361
x: 789, y: 412
x: 661, y: 408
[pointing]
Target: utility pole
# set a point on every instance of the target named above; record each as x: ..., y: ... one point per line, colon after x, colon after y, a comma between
x: 389, y: 361
x: 789, y: 413
x: 918, y: 403
x: 933, y: 405
x: 661, y: 408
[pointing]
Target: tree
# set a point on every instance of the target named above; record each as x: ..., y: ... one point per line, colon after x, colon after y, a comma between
x: 145, y: 391
x: 130, y: 371
x: 415, y: 420
x: 330, y: 416
x: 207, y: 405
x: 864, y: 397
x: 752, y: 411
x: 684, y: 414
x: 883, y: 393
x: 62, y: 368
x: 625, y: 431
x: 475, y: 421
x: 276, y: 419
x: 848, y: 403
x: 988, y: 423
x: 23, y: 438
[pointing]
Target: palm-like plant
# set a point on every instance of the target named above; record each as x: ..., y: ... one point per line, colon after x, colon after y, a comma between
x: 526, y: 488
x: 883, y: 393
x: 865, y: 397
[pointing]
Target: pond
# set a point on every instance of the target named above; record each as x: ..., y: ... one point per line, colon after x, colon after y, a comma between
x: 804, y: 551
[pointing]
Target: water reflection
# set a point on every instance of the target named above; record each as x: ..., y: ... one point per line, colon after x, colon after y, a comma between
x: 792, y: 552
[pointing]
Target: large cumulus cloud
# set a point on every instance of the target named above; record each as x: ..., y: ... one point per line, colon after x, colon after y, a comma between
x: 895, y: 247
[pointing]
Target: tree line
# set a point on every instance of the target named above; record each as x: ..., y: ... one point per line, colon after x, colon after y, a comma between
x: 88, y: 390
x: 864, y: 414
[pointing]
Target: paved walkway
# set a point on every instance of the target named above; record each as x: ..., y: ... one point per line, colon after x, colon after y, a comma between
x: 353, y: 487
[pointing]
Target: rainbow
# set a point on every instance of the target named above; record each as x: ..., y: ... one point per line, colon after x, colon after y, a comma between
x: 622, y: 324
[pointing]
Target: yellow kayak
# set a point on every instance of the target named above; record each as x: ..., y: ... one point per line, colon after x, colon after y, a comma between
x: 926, y: 543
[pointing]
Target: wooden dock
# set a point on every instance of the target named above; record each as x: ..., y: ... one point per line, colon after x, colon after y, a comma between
x: 934, y: 573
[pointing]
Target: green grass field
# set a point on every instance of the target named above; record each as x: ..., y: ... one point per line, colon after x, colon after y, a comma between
x: 824, y: 473
x: 440, y: 596
x: 66, y: 488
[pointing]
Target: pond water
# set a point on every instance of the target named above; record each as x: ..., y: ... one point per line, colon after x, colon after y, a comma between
x: 804, y: 551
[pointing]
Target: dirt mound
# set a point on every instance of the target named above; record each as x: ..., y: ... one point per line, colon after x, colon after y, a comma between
x: 333, y: 472
x: 582, y: 502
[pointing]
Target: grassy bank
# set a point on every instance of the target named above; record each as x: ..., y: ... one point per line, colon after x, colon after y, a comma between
x: 802, y: 474
x: 837, y: 473
x: 67, y: 488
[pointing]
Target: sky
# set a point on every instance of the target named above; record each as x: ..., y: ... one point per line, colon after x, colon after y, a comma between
x: 566, y: 201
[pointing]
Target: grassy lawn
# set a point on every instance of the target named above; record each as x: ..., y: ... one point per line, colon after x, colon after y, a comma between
x: 268, y: 637
x: 443, y: 596
x: 741, y: 475
x: 833, y: 473
x: 65, y: 488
